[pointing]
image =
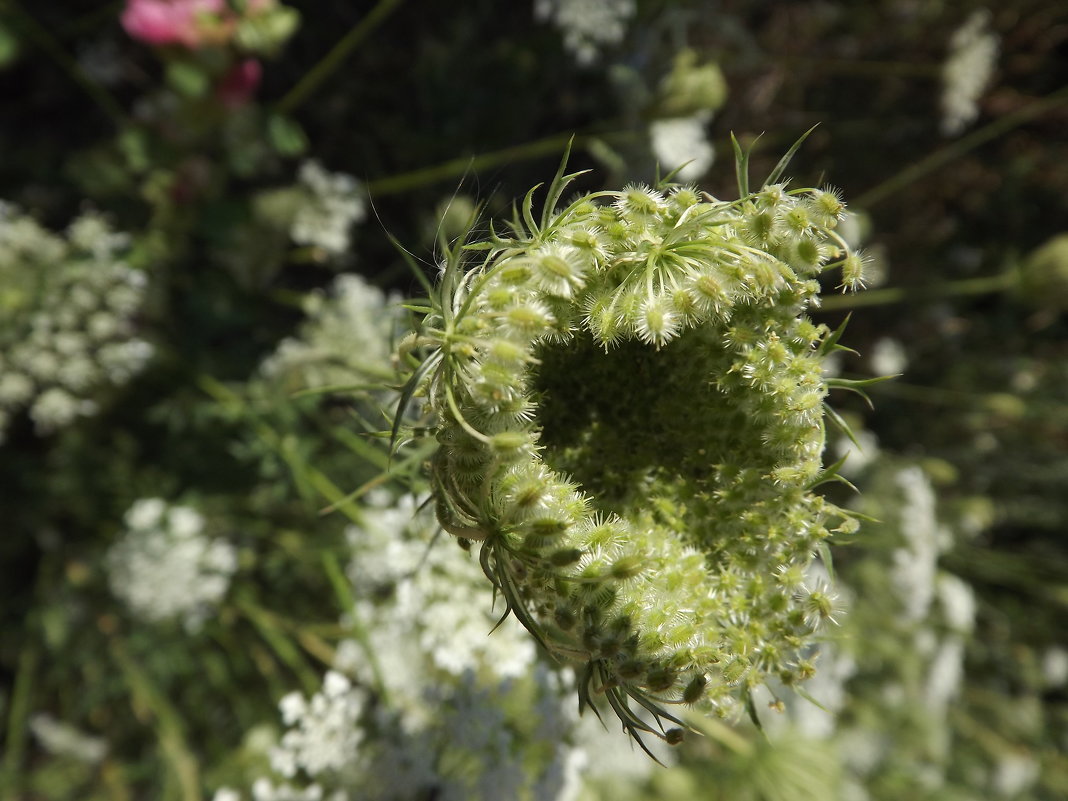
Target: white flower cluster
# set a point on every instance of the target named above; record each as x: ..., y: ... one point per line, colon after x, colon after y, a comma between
x: 346, y: 338
x: 165, y: 566
x: 442, y: 708
x: 331, y: 203
x: 910, y: 607
x: 973, y: 54
x: 889, y: 357
x: 62, y: 739
x: 915, y: 565
x: 67, y: 308
x: 325, y: 731
x: 587, y: 25
x: 683, y: 141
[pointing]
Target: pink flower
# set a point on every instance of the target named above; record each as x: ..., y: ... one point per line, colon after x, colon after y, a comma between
x: 191, y: 23
x: 240, y: 83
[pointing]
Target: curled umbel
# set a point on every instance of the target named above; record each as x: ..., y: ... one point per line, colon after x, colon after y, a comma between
x: 629, y: 406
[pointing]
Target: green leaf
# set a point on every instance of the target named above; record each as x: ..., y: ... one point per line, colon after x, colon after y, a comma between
x: 830, y: 473
x: 808, y: 697
x: 528, y: 211
x: 830, y: 342
x: 286, y: 136
x: 187, y: 79
x: 741, y: 167
x: 840, y: 423
x: 784, y: 162
x: 408, y: 392
x: 556, y: 188
x: 856, y: 385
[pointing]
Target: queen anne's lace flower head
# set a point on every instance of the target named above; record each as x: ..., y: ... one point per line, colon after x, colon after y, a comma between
x: 588, y: 25
x: 629, y: 408
x: 330, y: 204
x: 346, y: 339
x: 68, y: 307
x: 973, y: 53
x: 166, y: 566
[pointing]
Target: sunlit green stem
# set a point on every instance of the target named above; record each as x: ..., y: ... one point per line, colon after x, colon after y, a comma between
x: 887, y: 297
x: 951, y: 152
x: 549, y: 146
x: 336, y: 57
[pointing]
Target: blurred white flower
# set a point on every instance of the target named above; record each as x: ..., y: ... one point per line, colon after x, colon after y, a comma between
x: 331, y: 203
x: 324, y: 733
x: 587, y: 26
x: 1014, y: 774
x: 62, y: 739
x: 915, y: 566
x: 683, y: 140
x: 166, y: 567
x: 63, y: 335
x: 888, y: 357
x: 973, y: 53
x: 347, y: 338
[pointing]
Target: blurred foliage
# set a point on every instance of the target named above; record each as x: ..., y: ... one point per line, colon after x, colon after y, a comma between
x: 423, y: 101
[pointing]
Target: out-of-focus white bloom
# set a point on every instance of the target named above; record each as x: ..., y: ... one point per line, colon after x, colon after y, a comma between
x: 857, y: 457
x: 331, y: 204
x: 587, y: 25
x: 973, y: 54
x: 459, y: 711
x: 958, y: 602
x: 1014, y: 774
x: 828, y: 687
x: 62, y: 739
x: 62, y: 335
x: 55, y: 408
x: 915, y: 566
x: 888, y: 357
x: 944, y: 675
x: 439, y: 596
x: 609, y: 759
x: 166, y: 567
x: 347, y: 339
x: 226, y: 794
x: 1055, y: 667
x: 324, y: 732
x: 683, y: 140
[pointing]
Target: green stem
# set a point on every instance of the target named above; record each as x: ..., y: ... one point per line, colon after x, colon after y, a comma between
x: 15, y: 744
x: 953, y: 151
x: 145, y: 696
x: 40, y: 36
x: 264, y: 622
x: 337, y: 55
x: 550, y: 145
x: 885, y: 297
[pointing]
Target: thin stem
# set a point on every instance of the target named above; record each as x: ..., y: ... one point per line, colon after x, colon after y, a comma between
x: 149, y: 701
x: 953, y: 151
x: 41, y: 37
x: 15, y: 743
x: 885, y: 297
x: 550, y: 145
x: 336, y: 57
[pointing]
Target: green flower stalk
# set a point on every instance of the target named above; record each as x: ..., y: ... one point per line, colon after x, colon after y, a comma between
x: 629, y: 406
